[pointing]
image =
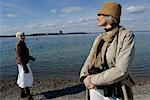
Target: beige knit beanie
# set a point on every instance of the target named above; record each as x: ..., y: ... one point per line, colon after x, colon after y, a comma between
x: 111, y: 8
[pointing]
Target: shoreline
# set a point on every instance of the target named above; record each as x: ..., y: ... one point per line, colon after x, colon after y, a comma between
x: 70, y: 33
x: 45, y: 34
x: 61, y: 88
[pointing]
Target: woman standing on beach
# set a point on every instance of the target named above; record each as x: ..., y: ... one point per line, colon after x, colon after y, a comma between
x: 105, y: 71
x: 25, y: 76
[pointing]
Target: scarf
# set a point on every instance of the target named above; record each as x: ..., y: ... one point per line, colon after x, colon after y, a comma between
x: 101, y: 45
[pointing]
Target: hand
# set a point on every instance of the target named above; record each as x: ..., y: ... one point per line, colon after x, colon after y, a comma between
x: 25, y: 68
x: 32, y: 58
x: 87, y: 82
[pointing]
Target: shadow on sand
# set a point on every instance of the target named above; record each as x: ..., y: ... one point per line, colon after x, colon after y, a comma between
x: 62, y: 92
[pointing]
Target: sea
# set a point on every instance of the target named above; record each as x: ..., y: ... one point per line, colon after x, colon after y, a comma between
x: 64, y: 55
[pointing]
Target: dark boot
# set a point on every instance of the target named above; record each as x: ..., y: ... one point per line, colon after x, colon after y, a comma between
x: 28, y: 93
x: 23, y: 94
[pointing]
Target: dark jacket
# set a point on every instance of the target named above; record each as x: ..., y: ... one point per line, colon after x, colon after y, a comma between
x: 22, y: 53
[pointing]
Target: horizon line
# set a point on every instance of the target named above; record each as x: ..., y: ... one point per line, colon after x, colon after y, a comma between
x: 66, y: 33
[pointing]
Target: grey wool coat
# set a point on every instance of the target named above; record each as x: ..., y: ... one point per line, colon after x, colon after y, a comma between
x: 119, y: 58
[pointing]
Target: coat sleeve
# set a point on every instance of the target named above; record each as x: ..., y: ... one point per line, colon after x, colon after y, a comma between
x: 89, y: 61
x: 18, y: 54
x: 123, y: 61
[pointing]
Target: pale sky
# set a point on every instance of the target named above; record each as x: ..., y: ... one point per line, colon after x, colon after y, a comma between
x: 35, y: 16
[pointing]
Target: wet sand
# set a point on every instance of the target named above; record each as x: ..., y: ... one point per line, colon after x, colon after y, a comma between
x: 61, y: 88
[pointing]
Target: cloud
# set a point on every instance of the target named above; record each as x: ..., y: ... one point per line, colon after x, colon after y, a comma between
x: 40, y: 26
x: 83, y: 19
x: 8, y: 5
x: 62, y: 15
x: 135, y: 9
x: 5, y: 28
x: 2, y: 20
x: 128, y: 20
x: 70, y: 24
x: 12, y: 15
x: 53, y: 10
x: 71, y: 9
x: 89, y: 20
x: 80, y: 22
x: 147, y: 23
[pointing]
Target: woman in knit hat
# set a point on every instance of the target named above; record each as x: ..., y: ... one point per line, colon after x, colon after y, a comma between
x: 25, y: 76
x: 105, y: 71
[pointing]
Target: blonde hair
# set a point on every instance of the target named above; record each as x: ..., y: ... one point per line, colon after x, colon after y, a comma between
x: 19, y: 33
x: 112, y: 20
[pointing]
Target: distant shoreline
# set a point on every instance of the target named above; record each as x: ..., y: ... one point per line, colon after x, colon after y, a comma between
x: 44, y: 34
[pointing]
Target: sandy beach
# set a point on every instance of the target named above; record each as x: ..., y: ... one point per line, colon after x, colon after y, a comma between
x: 64, y: 88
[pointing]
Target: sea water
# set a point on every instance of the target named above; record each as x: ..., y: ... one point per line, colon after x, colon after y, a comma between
x: 65, y: 54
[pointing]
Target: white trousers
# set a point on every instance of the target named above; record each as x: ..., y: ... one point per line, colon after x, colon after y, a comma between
x: 24, y: 79
x: 98, y: 95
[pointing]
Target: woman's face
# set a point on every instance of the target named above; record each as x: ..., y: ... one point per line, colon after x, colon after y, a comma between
x: 22, y: 37
x: 101, y: 20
